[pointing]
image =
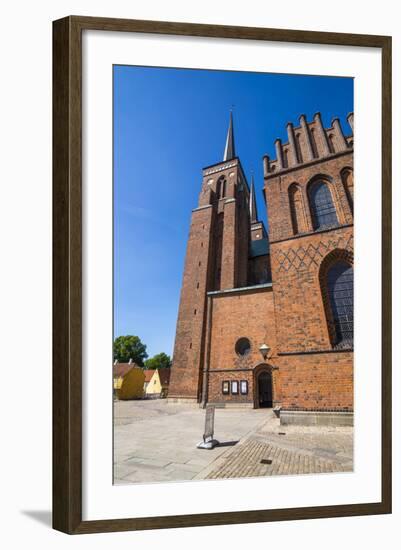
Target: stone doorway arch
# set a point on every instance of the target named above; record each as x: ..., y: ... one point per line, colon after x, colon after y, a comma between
x: 263, y: 384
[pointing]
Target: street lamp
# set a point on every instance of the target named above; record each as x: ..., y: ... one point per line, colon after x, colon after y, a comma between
x: 264, y: 350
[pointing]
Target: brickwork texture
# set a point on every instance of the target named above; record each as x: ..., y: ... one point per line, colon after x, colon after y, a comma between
x: 270, y: 288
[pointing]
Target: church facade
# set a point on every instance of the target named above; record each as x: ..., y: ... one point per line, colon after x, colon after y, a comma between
x: 266, y: 318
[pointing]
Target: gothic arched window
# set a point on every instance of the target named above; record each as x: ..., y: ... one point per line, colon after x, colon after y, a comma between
x: 322, y: 207
x: 297, y: 209
x: 313, y: 143
x: 340, y: 288
x: 221, y: 187
x: 299, y: 148
x: 285, y: 158
x: 331, y: 143
x: 347, y: 177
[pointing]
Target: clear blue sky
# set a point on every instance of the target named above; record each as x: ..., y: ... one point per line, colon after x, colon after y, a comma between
x: 168, y: 125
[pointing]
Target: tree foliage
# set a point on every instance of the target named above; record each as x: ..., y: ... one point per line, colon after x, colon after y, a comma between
x: 159, y: 361
x: 129, y: 347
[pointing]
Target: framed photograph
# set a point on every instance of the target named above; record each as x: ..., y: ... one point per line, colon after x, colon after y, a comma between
x: 222, y: 243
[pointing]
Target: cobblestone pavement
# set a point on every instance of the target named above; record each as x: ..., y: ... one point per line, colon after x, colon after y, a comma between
x: 255, y: 459
x: 155, y: 441
x: 272, y: 449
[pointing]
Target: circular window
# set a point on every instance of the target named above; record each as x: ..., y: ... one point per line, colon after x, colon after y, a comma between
x: 243, y: 347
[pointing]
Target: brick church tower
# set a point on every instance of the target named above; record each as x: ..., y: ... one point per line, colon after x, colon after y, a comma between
x: 222, y: 226
x: 267, y: 320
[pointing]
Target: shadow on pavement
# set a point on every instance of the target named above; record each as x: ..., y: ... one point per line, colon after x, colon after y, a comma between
x: 228, y: 443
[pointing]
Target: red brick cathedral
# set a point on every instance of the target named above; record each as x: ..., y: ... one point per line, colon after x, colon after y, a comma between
x: 266, y: 319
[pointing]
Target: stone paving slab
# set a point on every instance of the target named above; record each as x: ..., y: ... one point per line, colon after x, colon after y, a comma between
x: 156, y: 441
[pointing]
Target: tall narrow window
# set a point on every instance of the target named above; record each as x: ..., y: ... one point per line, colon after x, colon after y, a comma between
x: 340, y: 284
x: 299, y: 148
x: 221, y: 187
x: 313, y: 143
x: 332, y: 143
x: 347, y: 177
x: 297, y: 209
x: 218, y: 249
x: 218, y: 189
x: 285, y: 158
x: 322, y: 207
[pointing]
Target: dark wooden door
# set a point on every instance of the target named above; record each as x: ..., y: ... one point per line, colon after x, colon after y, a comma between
x: 265, y: 389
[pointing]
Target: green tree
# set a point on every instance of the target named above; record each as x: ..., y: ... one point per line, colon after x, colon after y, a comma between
x: 129, y: 347
x: 159, y: 361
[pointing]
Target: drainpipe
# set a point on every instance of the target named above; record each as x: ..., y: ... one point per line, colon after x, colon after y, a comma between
x: 206, y: 364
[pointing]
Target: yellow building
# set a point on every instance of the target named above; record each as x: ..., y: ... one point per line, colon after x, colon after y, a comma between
x: 128, y: 380
x: 157, y: 385
x: 148, y: 377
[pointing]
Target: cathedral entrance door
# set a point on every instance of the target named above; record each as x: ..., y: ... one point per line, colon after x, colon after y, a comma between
x: 265, y: 389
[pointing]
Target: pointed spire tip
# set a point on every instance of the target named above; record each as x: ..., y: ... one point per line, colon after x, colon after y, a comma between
x: 229, y: 150
x: 253, y: 212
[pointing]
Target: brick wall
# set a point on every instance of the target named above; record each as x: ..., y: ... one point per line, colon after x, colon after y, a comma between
x: 300, y: 315
x: 216, y: 395
x: 311, y: 381
x: 188, y: 349
x: 244, y: 314
x: 277, y: 193
x: 317, y: 381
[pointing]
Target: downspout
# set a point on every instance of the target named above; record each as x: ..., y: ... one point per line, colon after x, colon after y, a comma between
x: 205, y: 382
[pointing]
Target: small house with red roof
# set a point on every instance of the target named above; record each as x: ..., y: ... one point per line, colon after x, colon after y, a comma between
x: 157, y: 385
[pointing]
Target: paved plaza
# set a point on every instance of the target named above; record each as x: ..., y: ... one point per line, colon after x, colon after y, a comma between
x: 155, y: 441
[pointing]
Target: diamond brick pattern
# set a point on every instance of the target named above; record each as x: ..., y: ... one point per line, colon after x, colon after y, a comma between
x: 302, y: 257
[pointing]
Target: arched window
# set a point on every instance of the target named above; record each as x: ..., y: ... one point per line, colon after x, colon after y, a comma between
x: 347, y: 177
x: 340, y: 287
x: 297, y: 209
x: 285, y: 158
x: 313, y: 143
x: 218, y: 249
x: 299, y: 148
x: 332, y: 143
x: 322, y: 208
x: 221, y: 187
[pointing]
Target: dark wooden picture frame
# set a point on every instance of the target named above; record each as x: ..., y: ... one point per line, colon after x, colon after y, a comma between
x: 67, y: 274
